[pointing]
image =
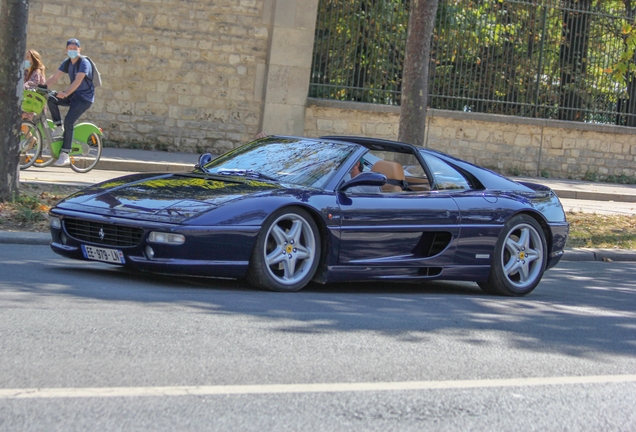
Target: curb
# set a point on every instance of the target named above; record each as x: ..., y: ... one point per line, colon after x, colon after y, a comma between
x: 22, y: 237
x: 608, y: 255
x: 588, y: 191
x: 571, y: 254
x: 594, y: 196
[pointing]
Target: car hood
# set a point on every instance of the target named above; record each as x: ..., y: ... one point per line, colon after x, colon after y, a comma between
x: 171, y: 198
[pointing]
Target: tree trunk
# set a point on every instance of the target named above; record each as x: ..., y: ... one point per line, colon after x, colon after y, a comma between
x: 630, y: 109
x: 13, y: 22
x: 415, y: 72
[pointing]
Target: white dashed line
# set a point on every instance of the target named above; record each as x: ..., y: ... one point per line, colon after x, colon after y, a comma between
x: 102, y: 392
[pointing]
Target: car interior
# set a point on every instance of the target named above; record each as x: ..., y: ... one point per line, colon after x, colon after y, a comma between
x: 403, y: 171
x: 393, y: 172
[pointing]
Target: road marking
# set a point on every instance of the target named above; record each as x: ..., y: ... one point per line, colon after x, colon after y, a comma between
x: 101, y: 392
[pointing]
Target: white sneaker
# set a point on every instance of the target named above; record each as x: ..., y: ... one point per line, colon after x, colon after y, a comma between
x: 63, y: 160
x: 58, y: 132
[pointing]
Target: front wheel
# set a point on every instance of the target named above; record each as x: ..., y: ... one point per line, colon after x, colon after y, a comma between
x: 287, y: 251
x: 46, y: 157
x: 520, y: 258
x: 30, y: 144
x: 84, y: 156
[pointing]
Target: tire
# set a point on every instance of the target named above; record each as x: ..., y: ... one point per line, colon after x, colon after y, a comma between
x: 85, y: 160
x: 30, y: 144
x: 519, y: 260
x: 46, y: 157
x: 287, y: 251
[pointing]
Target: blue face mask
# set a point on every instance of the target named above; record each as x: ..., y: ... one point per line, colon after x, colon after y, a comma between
x: 72, y: 53
x: 27, y: 64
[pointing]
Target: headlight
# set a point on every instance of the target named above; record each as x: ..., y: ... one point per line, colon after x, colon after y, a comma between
x: 167, y: 238
x: 55, y: 222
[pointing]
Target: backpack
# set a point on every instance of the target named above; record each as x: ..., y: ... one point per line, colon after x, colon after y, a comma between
x: 96, y: 79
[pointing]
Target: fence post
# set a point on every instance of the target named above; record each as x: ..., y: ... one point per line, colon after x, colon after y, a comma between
x: 288, y: 66
x: 540, y: 65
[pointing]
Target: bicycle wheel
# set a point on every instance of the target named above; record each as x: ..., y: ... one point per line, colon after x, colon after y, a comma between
x: 46, y: 156
x: 30, y: 144
x: 86, y: 157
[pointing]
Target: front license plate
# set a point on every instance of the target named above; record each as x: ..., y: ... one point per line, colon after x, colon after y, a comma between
x: 114, y: 256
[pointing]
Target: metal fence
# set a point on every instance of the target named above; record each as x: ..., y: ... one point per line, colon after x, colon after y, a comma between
x: 559, y: 59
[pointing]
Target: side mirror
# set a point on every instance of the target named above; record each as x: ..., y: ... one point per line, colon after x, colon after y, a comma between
x: 204, y: 159
x: 365, y: 179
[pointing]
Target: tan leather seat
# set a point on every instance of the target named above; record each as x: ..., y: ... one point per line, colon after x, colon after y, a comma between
x: 393, y: 172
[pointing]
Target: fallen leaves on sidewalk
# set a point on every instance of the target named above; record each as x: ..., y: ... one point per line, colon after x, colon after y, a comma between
x: 29, y: 211
x: 602, y: 231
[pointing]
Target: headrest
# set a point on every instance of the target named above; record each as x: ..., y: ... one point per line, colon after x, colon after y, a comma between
x: 392, y: 170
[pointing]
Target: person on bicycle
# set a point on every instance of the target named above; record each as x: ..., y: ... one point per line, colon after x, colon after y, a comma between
x: 35, y: 71
x: 78, y: 96
x: 34, y: 74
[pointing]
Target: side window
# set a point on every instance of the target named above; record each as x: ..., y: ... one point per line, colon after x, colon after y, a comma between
x: 403, y: 171
x: 446, y: 177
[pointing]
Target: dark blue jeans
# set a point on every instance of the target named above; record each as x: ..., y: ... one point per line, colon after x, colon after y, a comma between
x: 77, y: 106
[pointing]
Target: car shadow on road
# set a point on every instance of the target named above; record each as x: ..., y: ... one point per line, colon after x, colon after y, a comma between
x: 577, y: 313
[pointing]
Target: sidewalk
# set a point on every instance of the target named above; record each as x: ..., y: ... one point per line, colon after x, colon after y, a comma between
x: 602, y: 198
x: 115, y: 159
x: 575, y: 195
x: 584, y: 190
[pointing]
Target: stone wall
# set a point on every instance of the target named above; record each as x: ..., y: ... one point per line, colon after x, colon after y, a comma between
x: 326, y: 117
x: 178, y: 75
x: 513, y: 145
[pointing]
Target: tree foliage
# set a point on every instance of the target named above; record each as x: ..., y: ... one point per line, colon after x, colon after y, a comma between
x: 359, y: 44
x: 562, y: 59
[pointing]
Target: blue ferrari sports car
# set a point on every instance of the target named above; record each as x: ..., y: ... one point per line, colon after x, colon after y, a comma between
x: 284, y: 211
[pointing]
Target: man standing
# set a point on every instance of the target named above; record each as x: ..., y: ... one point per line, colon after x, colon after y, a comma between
x: 79, y: 96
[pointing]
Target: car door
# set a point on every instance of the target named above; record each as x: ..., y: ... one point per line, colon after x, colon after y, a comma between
x: 402, y: 228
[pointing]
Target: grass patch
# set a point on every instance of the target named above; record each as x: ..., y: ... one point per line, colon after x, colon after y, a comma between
x: 602, y: 231
x: 29, y: 211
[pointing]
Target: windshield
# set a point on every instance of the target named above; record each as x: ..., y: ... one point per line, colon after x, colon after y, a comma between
x: 304, y: 162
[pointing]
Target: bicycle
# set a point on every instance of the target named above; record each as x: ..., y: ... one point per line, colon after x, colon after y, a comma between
x: 38, y: 146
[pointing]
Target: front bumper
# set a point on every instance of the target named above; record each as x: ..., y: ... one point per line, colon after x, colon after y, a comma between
x: 207, y: 251
x: 559, y: 233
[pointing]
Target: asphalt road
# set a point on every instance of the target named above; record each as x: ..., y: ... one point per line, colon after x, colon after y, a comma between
x: 87, y: 346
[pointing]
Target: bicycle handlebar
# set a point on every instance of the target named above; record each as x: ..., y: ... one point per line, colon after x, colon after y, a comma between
x: 44, y: 90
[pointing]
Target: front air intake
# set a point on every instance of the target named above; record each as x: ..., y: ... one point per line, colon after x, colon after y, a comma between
x: 103, y: 234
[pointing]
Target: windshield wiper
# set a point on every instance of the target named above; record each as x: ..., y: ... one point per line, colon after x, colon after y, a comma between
x: 247, y: 173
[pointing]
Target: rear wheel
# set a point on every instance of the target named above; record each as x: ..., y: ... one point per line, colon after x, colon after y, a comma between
x: 287, y: 252
x: 30, y: 144
x: 86, y: 157
x: 520, y: 258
